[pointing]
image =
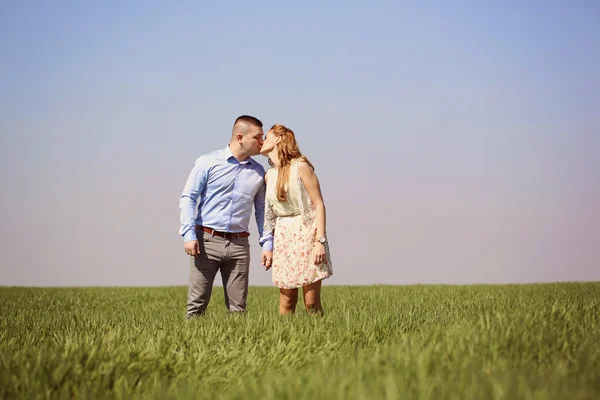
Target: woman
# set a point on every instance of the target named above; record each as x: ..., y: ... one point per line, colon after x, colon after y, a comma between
x: 295, y: 215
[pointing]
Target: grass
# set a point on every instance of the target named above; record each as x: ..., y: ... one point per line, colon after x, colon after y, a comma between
x: 378, y: 342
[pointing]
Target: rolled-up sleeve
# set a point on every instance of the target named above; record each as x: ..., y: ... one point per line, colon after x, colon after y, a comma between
x: 188, y: 202
x: 268, y: 226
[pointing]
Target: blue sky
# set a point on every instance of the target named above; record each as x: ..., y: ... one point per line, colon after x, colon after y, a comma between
x: 455, y: 143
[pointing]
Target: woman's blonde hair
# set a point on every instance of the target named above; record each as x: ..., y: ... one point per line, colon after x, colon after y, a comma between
x: 287, y: 151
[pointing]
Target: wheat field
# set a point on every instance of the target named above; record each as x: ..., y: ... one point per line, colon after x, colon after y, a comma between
x: 539, y: 341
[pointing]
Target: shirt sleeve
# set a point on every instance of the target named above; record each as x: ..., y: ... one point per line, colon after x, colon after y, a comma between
x: 188, y: 202
x: 267, y: 227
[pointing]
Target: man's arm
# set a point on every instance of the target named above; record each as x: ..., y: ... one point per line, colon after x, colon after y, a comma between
x: 266, y: 228
x: 265, y: 236
x: 188, y: 202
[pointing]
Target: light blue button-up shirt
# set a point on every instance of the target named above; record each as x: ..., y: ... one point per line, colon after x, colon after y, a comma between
x: 226, y: 189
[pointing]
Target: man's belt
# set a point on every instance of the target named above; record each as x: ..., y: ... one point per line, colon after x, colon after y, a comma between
x: 226, y: 235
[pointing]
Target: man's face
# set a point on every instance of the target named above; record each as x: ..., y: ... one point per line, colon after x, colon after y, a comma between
x: 252, y: 140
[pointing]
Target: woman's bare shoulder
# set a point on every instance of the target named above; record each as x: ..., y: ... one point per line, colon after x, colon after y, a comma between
x: 305, y: 167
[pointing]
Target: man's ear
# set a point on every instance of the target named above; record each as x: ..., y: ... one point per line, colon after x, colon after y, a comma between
x: 240, y: 137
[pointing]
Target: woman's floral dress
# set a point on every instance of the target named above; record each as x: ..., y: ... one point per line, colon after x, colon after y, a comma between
x: 294, y: 226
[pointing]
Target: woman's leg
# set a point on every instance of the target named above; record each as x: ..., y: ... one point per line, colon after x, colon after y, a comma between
x: 288, y: 298
x: 312, y: 298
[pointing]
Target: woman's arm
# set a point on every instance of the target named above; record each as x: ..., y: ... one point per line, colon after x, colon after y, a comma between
x: 311, y: 183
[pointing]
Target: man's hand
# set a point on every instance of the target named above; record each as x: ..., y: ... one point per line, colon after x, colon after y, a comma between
x: 267, y: 259
x: 192, y: 248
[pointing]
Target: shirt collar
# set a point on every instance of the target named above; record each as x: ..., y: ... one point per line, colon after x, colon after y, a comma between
x: 229, y: 154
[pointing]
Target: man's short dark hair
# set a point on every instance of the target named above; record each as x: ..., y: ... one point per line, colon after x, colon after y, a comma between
x: 249, y: 120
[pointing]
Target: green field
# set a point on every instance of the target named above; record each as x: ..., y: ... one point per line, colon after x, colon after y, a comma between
x: 377, y: 342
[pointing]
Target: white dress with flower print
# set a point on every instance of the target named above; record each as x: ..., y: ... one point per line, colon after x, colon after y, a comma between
x: 294, y: 226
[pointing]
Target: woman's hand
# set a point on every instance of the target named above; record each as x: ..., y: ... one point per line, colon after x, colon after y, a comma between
x: 319, y: 253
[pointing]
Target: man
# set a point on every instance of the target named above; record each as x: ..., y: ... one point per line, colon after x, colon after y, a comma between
x: 222, y: 187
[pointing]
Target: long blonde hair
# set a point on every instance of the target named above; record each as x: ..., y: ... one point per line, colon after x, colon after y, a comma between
x: 287, y: 151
